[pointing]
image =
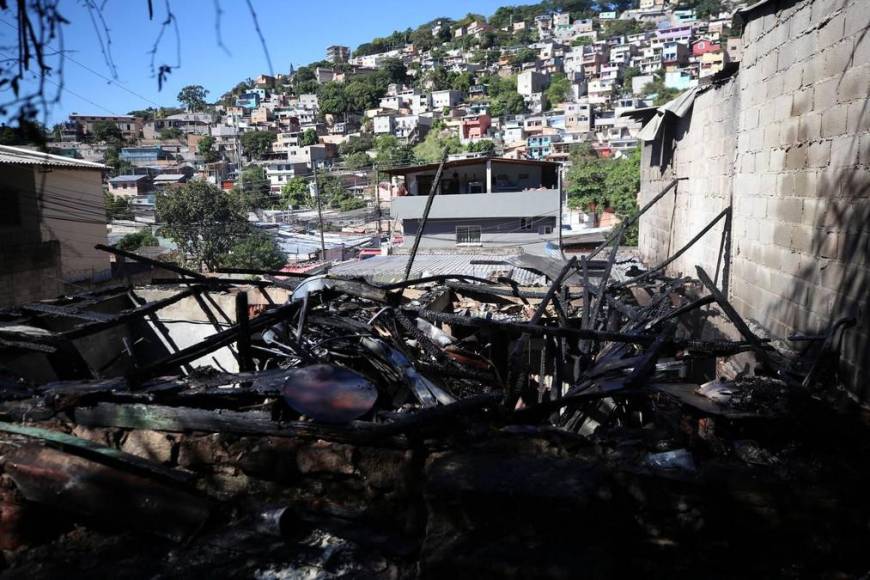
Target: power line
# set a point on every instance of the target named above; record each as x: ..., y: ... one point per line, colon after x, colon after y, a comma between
x: 96, y: 73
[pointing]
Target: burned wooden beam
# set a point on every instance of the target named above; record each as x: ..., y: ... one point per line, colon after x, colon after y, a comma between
x: 128, y: 315
x: 433, y: 190
x: 66, y: 312
x: 213, y: 343
x: 736, y: 320
x: 536, y: 330
x: 725, y: 212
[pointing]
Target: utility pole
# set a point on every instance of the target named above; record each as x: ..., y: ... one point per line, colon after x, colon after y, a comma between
x: 378, y: 198
x: 319, y: 213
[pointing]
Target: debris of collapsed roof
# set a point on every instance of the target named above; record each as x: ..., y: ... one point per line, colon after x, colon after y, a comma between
x: 610, y: 364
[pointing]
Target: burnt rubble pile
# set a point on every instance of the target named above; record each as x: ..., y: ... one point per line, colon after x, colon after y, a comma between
x: 441, y: 425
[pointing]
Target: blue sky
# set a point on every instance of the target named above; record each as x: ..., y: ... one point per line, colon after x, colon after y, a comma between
x: 296, y: 31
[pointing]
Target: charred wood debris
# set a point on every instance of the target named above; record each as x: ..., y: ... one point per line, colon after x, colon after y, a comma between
x: 415, y: 419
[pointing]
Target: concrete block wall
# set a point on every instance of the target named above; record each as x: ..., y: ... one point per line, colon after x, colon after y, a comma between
x: 704, y: 152
x: 800, y: 181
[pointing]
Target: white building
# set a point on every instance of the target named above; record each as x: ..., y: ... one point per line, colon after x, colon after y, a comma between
x: 529, y: 82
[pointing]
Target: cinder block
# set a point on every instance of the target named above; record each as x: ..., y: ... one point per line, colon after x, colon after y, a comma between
x: 832, y: 31
x: 857, y: 18
x: 802, y: 239
x: 805, y: 184
x: 864, y: 150
x: 802, y: 101
x: 818, y: 154
x: 810, y: 127
x: 844, y: 150
x: 854, y: 84
x: 791, y: 78
x: 858, y: 117
x: 796, y: 157
x: 799, y: 22
x: 838, y: 57
x: 862, y: 48
x: 782, y: 238
x: 790, y: 209
x: 834, y: 121
x: 825, y: 94
x: 776, y: 160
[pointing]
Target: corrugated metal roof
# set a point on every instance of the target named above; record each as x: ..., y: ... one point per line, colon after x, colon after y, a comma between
x: 21, y: 156
x: 127, y: 178
x: 386, y: 269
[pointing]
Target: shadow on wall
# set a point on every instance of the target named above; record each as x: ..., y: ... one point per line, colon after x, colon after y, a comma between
x: 833, y: 280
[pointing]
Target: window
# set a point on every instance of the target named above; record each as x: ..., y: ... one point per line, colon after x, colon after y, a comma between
x: 526, y: 224
x: 467, y: 235
x: 545, y: 230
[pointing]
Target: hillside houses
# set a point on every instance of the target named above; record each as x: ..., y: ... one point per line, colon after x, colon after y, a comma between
x: 533, y: 89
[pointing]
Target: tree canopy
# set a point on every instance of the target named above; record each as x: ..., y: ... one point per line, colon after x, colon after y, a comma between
x: 256, y: 144
x: 203, y: 220
x: 253, y: 188
x: 205, y: 148
x: 257, y: 250
x: 594, y: 183
x: 193, y: 97
x: 295, y: 193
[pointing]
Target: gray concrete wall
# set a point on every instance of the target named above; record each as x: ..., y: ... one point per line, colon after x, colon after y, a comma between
x: 797, y: 177
x: 509, y: 204
x: 441, y: 233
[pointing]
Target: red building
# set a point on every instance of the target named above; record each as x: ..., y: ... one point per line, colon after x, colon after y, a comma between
x: 474, y: 127
x: 704, y: 46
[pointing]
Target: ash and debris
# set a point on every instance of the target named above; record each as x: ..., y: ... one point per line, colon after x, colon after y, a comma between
x: 448, y: 425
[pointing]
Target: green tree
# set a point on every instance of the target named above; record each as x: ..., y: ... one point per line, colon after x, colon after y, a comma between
x: 253, y: 188
x: 358, y: 160
x: 626, y: 27
x: 257, y: 144
x: 257, y: 250
x: 170, y: 133
x: 657, y: 87
x: 432, y: 147
x: 391, y: 151
x: 357, y: 144
x: 461, y: 82
x: 585, y: 179
x: 395, y: 70
x: 331, y: 98
x: 203, y: 220
x: 193, y: 97
x: 117, y: 208
x: 108, y: 132
x: 484, y: 146
x: 559, y: 89
x: 593, y: 183
x: 309, y: 137
x: 524, y: 55
x: 134, y: 241
x: 206, y: 150
x: 581, y: 41
x: 295, y: 193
